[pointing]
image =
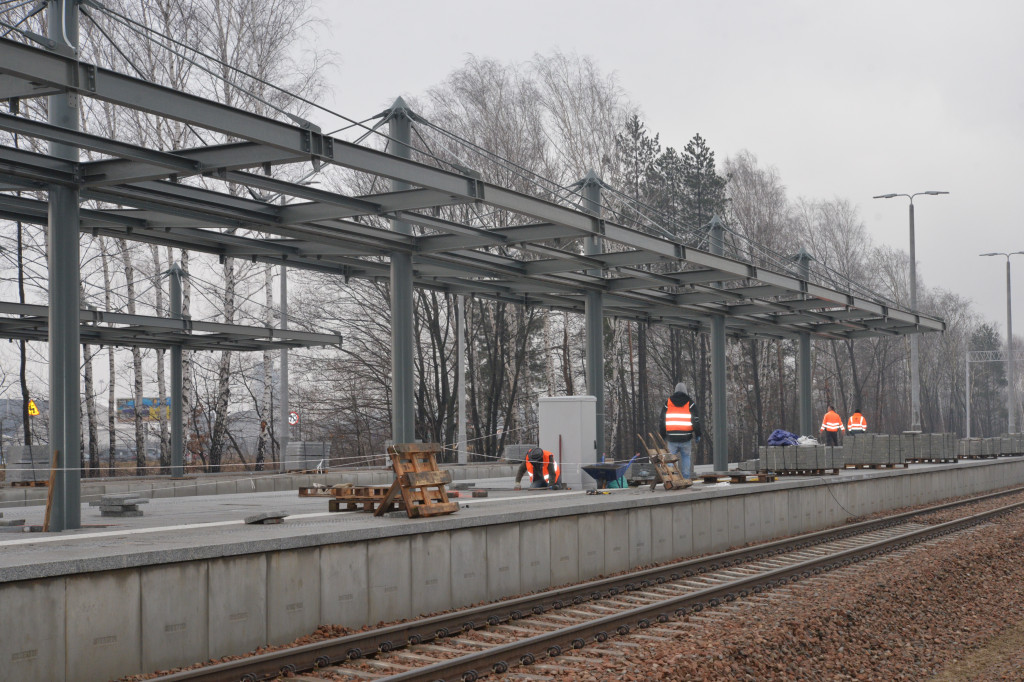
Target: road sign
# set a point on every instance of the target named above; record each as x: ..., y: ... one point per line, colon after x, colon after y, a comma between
x: 33, y: 411
x: 293, y: 418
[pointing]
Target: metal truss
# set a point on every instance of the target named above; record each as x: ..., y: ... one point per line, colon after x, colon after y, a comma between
x: 151, y: 196
x: 30, y: 322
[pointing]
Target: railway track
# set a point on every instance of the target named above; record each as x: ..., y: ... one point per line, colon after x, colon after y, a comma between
x: 496, y: 638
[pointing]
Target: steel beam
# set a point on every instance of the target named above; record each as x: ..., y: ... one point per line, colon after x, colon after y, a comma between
x: 719, y: 400
x: 402, y: 327
x: 591, y: 187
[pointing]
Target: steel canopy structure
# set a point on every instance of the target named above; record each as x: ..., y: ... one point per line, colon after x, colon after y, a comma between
x: 544, y: 254
x: 323, y: 233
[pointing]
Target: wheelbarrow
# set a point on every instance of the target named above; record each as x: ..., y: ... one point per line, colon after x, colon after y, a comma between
x: 605, y: 472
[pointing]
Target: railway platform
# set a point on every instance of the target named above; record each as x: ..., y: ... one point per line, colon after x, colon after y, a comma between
x: 189, y: 580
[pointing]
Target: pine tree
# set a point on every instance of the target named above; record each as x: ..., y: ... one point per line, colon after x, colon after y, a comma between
x: 704, y: 194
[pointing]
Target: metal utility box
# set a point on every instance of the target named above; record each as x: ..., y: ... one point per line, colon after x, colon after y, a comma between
x: 568, y: 428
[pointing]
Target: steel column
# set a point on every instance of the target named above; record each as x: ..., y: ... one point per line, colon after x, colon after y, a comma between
x: 177, y: 427
x: 403, y: 426
x: 1011, y: 381
x: 719, y: 404
x: 460, y: 312
x: 594, y: 313
x: 803, y: 260
x: 284, y: 428
x: 967, y: 389
x: 65, y: 280
x: 915, y: 371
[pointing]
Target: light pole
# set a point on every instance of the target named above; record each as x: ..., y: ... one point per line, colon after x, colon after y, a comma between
x: 1011, y: 404
x: 915, y: 377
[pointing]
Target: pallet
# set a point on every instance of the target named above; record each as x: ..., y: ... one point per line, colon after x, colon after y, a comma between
x: 931, y: 460
x: 367, y: 498
x: 419, y: 482
x: 807, y: 472
x: 876, y: 465
x: 740, y: 477
x: 29, y: 484
x: 979, y: 456
x: 665, y: 464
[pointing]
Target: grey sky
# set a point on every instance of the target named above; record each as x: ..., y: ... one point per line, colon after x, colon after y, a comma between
x: 846, y: 100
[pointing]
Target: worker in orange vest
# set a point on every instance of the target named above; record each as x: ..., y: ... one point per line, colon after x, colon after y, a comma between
x: 543, y: 469
x: 857, y: 423
x: 832, y: 424
x: 680, y: 425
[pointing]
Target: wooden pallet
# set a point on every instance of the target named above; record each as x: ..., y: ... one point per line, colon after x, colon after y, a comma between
x: 29, y: 484
x: 740, y: 477
x: 807, y: 472
x: 365, y: 498
x: 315, y: 492
x: 931, y: 460
x: 979, y: 456
x: 876, y: 465
x: 418, y: 480
x: 665, y: 464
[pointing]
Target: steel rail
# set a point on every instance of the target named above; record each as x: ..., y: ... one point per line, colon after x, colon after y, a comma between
x: 322, y: 654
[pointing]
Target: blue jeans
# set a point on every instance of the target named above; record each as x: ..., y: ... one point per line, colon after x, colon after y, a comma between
x: 683, y: 450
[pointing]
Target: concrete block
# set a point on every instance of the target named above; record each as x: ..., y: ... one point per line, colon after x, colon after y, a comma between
x: 505, y: 552
x: 682, y: 531
x: 565, y: 550
x: 238, y: 604
x: 32, y: 618
x: 103, y: 610
x: 283, y: 482
x: 752, y: 518
x: 535, y: 555
x: 431, y: 579
x: 701, y: 527
x: 469, y: 566
x: 344, y: 575
x: 719, y: 517
x: 458, y: 473
x: 140, y: 489
x: 389, y: 583
x: 293, y: 594
x: 12, y: 497
x: 266, y: 485
x: 302, y: 481
x: 225, y: 488
x: 639, y: 523
x: 184, y: 488
x: 661, y: 534
x: 616, y: 542
x: 175, y: 615
x: 736, y: 516
x: 163, y: 489
x: 591, y: 546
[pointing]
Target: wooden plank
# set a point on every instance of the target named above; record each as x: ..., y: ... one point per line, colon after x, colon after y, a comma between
x: 386, y: 502
x: 423, y: 478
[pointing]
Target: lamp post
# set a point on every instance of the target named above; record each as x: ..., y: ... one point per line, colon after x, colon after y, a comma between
x: 915, y: 377
x: 1011, y: 407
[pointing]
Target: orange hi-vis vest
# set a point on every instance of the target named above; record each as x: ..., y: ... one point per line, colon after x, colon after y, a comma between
x: 857, y: 423
x: 549, y: 469
x: 678, y: 419
x: 832, y: 422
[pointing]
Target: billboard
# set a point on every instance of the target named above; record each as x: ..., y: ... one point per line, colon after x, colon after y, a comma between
x: 153, y: 409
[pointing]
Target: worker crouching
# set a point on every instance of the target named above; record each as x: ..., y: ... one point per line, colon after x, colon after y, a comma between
x: 543, y: 470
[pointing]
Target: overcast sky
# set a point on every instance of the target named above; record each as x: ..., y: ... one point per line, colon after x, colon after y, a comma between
x: 846, y: 100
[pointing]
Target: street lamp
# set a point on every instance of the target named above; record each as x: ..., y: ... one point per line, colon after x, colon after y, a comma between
x: 915, y: 381
x: 1011, y: 407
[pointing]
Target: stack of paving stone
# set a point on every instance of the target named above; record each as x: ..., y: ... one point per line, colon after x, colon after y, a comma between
x: 119, y: 505
x: 28, y: 463
x: 304, y: 455
x: 800, y: 457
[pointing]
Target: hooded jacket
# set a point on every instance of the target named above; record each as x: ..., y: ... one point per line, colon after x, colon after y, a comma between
x: 679, y: 399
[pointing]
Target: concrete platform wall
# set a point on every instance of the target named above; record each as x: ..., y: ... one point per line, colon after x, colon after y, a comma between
x: 85, y: 627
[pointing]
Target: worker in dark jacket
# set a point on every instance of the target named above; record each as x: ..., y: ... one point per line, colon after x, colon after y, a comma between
x: 543, y: 469
x: 680, y: 424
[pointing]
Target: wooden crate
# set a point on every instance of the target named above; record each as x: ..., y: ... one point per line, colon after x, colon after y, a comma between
x: 418, y: 481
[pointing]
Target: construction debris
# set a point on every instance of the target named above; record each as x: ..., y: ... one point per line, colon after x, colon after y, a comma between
x: 264, y: 518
